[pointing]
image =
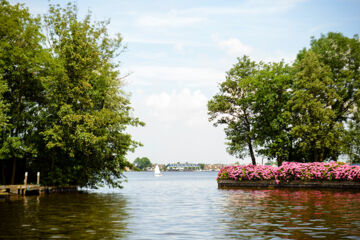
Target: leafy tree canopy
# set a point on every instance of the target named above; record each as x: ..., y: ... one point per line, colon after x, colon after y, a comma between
x: 64, y: 111
x: 306, y: 112
x: 22, y: 93
x: 142, y: 163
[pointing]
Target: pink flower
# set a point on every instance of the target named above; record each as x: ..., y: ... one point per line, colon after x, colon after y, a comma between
x: 292, y: 170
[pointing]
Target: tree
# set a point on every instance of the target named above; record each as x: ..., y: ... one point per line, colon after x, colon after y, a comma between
x: 164, y: 168
x: 342, y: 55
x: 142, y: 163
x: 3, y: 123
x: 352, y: 140
x: 87, y: 112
x: 233, y: 107
x: 202, y: 166
x: 253, y: 105
x: 3, y: 105
x: 333, y: 64
x: 272, y: 86
x: 63, y: 110
x: 305, y: 112
x: 22, y: 75
x: 314, y: 119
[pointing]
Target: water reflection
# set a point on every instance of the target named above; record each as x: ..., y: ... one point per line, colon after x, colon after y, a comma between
x: 294, y: 214
x: 183, y: 206
x: 75, y: 216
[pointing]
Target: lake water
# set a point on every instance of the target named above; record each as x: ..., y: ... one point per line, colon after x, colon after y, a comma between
x: 183, y: 205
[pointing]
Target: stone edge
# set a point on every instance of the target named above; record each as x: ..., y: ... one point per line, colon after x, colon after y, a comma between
x: 290, y: 184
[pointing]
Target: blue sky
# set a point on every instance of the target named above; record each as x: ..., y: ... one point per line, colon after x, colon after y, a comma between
x: 178, y: 52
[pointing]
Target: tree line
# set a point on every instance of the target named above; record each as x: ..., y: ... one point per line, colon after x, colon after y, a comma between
x: 306, y: 111
x: 142, y: 163
x: 62, y: 108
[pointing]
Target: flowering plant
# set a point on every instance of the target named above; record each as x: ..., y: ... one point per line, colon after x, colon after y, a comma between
x: 318, y: 171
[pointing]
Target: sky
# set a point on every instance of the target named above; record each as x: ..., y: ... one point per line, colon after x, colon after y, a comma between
x: 179, y: 51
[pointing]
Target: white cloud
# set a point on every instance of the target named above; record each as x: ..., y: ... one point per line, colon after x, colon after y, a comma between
x: 178, y: 44
x: 160, y: 40
x: 177, y: 129
x: 185, y: 106
x: 249, y: 7
x: 191, y: 16
x: 170, y: 19
x: 189, y: 76
x: 179, y: 47
x: 234, y: 47
x: 277, y: 56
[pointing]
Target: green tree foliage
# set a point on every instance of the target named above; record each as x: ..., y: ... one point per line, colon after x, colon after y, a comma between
x: 3, y: 123
x: 305, y: 112
x: 63, y: 110
x: 3, y: 105
x: 233, y: 107
x: 341, y: 55
x: 252, y: 103
x: 89, y: 113
x: 164, y: 168
x: 22, y: 71
x: 315, y: 126
x: 142, y: 163
x: 272, y: 114
x: 352, y: 140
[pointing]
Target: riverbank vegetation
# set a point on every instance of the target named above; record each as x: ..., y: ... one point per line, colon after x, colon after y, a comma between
x: 306, y: 111
x: 63, y: 111
x: 288, y: 171
x: 142, y: 163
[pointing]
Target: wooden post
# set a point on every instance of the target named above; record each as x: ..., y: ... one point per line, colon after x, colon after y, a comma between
x: 25, y: 182
x: 38, y: 178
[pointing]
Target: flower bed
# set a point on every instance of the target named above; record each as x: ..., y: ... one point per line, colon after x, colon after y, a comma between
x: 292, y: 171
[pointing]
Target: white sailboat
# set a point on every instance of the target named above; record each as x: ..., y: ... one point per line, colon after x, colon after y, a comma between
x: 157, y: 172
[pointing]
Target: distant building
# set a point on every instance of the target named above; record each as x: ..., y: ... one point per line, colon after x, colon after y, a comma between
x: 213, y: 167
x: 182, y: 167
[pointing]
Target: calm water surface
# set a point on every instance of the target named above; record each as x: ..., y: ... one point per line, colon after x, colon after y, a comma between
x: 184, y: 205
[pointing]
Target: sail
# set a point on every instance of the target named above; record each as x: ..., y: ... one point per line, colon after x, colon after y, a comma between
x: 157, y: 171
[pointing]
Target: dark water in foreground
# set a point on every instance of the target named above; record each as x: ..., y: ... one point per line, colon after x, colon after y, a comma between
x: 183, y: 206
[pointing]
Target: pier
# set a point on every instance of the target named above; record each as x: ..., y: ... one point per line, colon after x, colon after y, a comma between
x: 22, y: 189
x: 32, y: 189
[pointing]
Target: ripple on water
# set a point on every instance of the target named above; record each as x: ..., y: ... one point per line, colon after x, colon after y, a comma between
x: 184, y: 206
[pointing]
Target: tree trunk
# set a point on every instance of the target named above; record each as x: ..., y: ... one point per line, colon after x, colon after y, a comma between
x: 289, y: 159
x: 3, y: 174
x: 52, y: 164
x: 252, y: 155
x: 322, y: 153
x: 13, y: 172
x: 316, y: 155
x: 279, y: 161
